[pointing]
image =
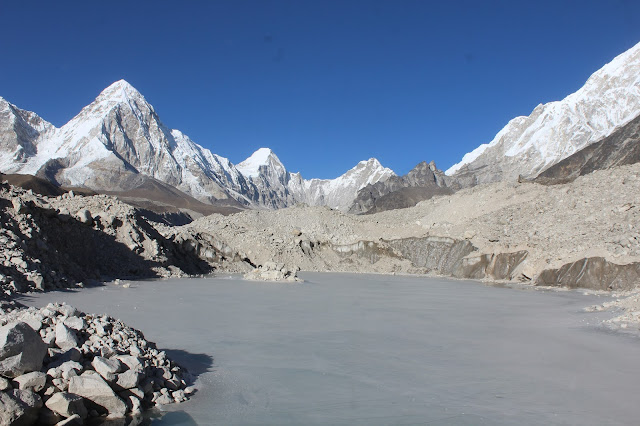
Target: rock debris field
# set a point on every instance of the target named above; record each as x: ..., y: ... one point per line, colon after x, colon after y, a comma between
x: 582, y: 234
x: 60, y: 365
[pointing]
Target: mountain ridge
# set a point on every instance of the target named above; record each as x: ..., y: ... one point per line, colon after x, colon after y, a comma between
x: 528, y: 145
x: 120, y: 134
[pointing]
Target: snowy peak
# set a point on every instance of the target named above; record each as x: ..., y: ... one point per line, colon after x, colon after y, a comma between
x: 120, y: 91
x: 20, y: 131
x: 371, y: 167
x: 261, y: 160
x: 119, y: 135
x: 529, y: 145
x: 117, y: 94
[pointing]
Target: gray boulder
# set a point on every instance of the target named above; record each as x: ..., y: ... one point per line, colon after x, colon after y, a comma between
x: 19, y: 407
x: 65, y: 337
x: 21, y: 349
x: 67, y: 404
x: 106, y: 367
x: 95, y: 389
x: 133, y: 362
x: 75, y: 323
x: 34, y: 381
x: 128, y: 380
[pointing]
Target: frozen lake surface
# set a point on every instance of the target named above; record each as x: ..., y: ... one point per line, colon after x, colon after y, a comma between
x: 377, y: 350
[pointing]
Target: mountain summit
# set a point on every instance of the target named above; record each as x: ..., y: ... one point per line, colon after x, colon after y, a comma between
x: 529, y: 145
x: 119, y: 139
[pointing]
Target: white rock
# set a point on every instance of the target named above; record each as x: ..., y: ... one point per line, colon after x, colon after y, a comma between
x: 65, y: 338
x: 67, y: 404
x: 34, y: 381
x: 94, y: 388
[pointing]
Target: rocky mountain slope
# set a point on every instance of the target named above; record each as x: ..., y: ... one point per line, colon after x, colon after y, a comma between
x: 584, y: 233
x: 620, y: 148
x: 118, y: 143
x: 421, y: 183
x: 70, y: 240
x: 529, y: 145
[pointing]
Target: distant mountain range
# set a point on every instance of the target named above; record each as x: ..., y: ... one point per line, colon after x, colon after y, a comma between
x: 118, y: 144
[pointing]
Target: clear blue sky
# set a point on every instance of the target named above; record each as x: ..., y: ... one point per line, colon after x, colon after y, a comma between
x: 323, y: 83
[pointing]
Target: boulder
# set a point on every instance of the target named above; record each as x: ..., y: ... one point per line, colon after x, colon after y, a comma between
x: 128, y: 380
x: 95, y: 389
x: 66, y: 310
x: 67, y: 404
x: 34, y: 381
x: 133, y: 362
x: 65, y: 337
x: 84, y: 216
x: 75, y: 323
x: 106, y: 366
x: 21, y: 349
x: 19, y: 407
x: 34, y: 320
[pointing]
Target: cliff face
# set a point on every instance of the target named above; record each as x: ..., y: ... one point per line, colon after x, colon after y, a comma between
x: 620, y: 148
x: 421, y: 183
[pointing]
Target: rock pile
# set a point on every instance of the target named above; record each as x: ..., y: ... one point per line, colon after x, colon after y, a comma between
x: 58, y: 363
x: 272, y: 271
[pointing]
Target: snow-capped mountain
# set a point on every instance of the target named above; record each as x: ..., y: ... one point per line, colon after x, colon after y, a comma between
x: 278, y: 187
x: 120, y: 134
x: 19, y: 133
x: 528, y: 145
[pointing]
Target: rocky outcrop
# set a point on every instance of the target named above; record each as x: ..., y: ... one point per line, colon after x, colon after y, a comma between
x: 494, y: 266
x: 595, y: 273
x: 105, y: 369
x: 439, y: 255
x: 53, y: 242
x: 620, y: 148
x: 421, y: 183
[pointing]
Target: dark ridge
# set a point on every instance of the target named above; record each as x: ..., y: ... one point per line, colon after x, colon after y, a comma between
x: 424, y: 181
x: 406, y: 197
x: 620, y: 148
x: 38, y: 185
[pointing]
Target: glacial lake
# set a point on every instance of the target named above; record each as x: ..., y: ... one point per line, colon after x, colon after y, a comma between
x: 350, y: 349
